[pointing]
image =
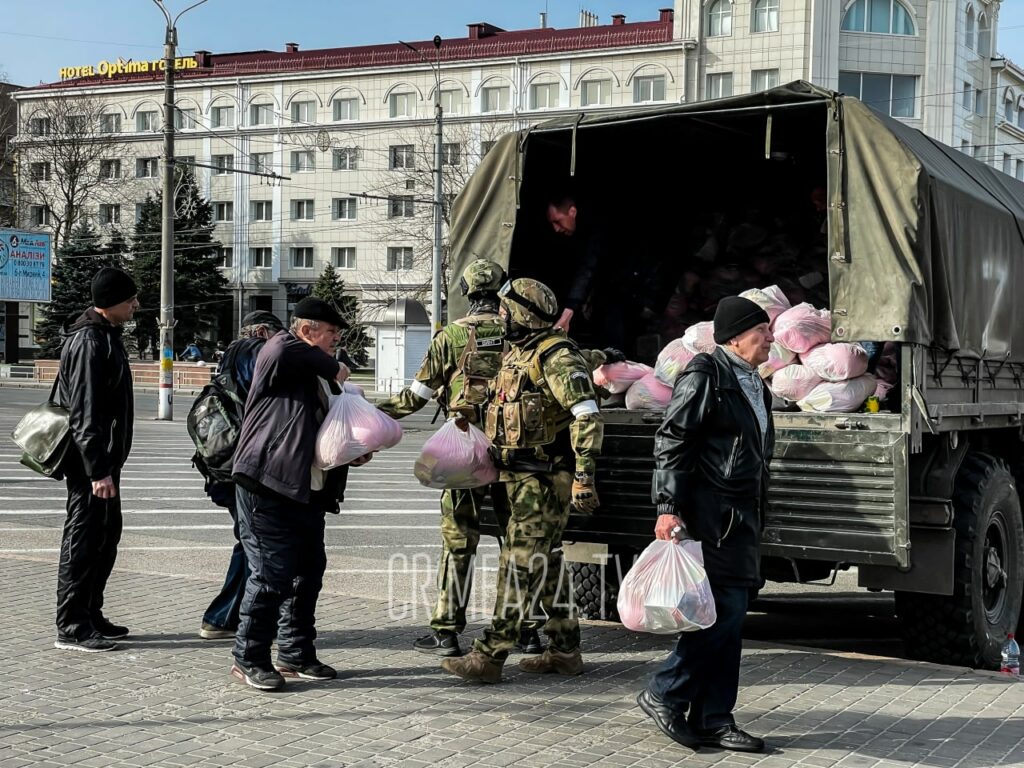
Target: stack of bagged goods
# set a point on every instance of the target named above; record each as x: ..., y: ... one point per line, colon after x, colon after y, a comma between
x: 616, y: 378
x: 353, y: 428
x: 671, y: 361
x: 456, y: 456
x: 771, y: 299
x: 648, y: 394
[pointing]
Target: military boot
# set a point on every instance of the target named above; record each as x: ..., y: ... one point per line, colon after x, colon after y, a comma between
x: 476, y: 666
x: 553, y: 660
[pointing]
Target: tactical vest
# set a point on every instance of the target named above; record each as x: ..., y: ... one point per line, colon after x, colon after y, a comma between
x: 523, y: 413
x: 478, y: 344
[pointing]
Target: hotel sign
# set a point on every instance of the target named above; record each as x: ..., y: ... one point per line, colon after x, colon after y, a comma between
x: 122, y: 67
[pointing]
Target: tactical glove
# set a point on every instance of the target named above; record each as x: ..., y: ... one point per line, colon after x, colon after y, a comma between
x: 584, y: 494
x: 613, y: 355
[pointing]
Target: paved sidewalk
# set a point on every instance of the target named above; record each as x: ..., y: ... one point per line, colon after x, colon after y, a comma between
x: 168, y: 699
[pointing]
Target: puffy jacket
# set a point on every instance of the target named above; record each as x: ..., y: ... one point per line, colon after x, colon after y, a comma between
x: 711, y: 467
x: 96, y: 388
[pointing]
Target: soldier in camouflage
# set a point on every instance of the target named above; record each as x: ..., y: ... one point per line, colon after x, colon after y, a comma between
x: 544, y: 422
x: 457, y: 369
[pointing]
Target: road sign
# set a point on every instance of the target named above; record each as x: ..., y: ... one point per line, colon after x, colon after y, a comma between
x: 24, y: 265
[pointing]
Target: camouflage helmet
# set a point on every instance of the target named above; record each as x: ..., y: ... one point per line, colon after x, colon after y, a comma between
x: 529, y: 303
x: 481, y: 276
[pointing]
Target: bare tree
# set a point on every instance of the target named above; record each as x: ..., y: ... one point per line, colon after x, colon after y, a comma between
x: 8, y: 125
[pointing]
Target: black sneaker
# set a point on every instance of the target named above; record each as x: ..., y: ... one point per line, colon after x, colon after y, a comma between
x: 529, y: 641
x: 314, y: 670
x: 442, y: 643
x: 95, y: 643
x: 263, y: 678
x: 108, y: 630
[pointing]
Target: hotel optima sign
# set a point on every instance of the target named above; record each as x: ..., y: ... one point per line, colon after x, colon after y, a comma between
x: 122, y: 67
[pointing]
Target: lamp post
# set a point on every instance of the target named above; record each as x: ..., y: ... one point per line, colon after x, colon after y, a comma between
x: 166, y: 403
x: 435, y: 280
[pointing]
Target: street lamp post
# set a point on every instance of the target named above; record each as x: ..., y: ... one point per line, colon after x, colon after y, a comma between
x: 165, y: 410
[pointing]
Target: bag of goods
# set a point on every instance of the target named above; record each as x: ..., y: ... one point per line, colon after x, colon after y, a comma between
x: 617, y: 377
x: 648, y: 394
x: 794, y: 382
x: 701, y: 337
x: 778, y: 358
x: 837, y: 362
x: 353, y: 428
x: 839, y: 396
x: 771, y: 299
x: 803, y: 327
x: 667, y: 590
x: 456, y: 458
x: 671, y: 360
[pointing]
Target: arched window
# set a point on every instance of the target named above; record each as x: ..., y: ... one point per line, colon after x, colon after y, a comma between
x: 984, y: 36
x: 969, y: 28
x: 883, y: 17
x: 1020, y: 113
x: 766, y: 16
x: 720, y: 18
x: 1009, y: 105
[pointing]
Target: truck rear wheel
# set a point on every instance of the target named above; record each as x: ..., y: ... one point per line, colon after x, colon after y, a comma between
x: 970, y: 626
x: 596, y: 587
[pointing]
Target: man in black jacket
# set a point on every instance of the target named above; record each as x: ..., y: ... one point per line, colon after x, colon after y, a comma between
x: 96, y: 388
x: 282, y: 498
x: 712, y: 453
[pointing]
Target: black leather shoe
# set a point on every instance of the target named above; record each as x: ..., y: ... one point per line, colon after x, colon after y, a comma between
x: 671, y: 723
x: 109, y: 630
x: 529, y: 641
x: 731, y: 737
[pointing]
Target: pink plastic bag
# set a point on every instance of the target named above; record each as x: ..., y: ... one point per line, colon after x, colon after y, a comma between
x: 667, y: 590
x: 803, y: 327
x: 839, y: 396
x: 648, y: 394
x: 353, y: 428
x: 452, y: 458
x: 778, y: 358
x: 794, y: 382
x: 672, y: 360
x: 701, y: 337
x: 837, y: 362
x: 771, y: 299
x: 617, y: 377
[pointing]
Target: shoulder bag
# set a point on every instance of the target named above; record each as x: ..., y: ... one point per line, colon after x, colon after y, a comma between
x: 43, y: 434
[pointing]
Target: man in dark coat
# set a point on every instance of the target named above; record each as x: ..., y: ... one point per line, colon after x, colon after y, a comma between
x: 712, y: 453
x: 96, y: 388
x: 282, y: 498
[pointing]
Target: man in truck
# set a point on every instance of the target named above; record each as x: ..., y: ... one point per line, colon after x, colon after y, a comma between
x: 711, y: 474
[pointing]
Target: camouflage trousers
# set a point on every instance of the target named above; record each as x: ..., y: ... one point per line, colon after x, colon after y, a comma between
x: 531, y: 570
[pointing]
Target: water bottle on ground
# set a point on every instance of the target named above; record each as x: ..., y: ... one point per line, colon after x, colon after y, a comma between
x: 1011, y: 657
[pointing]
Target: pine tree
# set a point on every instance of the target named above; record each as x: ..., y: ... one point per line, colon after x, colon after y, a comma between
x: 71, y: 294
x: 331, y: 288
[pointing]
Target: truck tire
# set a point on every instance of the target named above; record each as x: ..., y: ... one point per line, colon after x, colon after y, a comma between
x: 970, y: 626
x: 596, y: 587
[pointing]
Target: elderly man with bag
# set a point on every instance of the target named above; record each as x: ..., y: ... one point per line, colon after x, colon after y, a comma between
x: 711, y: 474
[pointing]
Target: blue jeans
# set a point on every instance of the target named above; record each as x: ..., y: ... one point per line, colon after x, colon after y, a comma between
x: 700, y: 678
x: 223, y: 611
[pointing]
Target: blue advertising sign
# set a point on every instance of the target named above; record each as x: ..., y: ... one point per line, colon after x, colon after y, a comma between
x: 24, y: 265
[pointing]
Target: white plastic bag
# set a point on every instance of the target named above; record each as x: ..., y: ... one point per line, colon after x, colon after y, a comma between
x: 778, y: 358
x: 648, y: 394
x: 667, y: 590
x: 839, y: 396
x: 701, y: 337
x: 803, y: 327
x: 618, y: 377
x: 771, y: 299
x: 837, y: 362
x: 353, y: 428
x: 794, y: 382
x: 452, y: 458
x: 672, y: 360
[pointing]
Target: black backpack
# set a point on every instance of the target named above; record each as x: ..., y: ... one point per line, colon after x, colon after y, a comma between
x: 214, y: 423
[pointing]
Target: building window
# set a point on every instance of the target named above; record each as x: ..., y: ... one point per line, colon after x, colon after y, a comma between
x: 719, y: 85
x: 451, y: 102
x: 399, y: 258
x: 39, y: 126
x: 344, y: 258
x: 261, y: 114
x: 979, y: 101
x: 763, y: 79
x: 881, y: 17
x: 39, y: 171
x: 110, y: 169
x: 222, y: 117
x: 401, y: 156
x: 223, y: 212
x: 1007, y: 163
x: 302, y: 210
x: 139, y: 208
x: 39, y: 215
x: 494, y: 99
x: 110, y: 123
x: 593, y: 92
x: 967, y: 99
x: 146, y: 121
x: 185, y: 163
x: 544, y: 96
x: 1019, y: 175
x: 402, y: 105
x: 302, y: 258
x: 766, y: 16
x: 401, y: 207
x: 343, y: 208
x: 110, y: 214
x: 346, y: 159
x: 720, y: 18
x: 304, y: 112
x: 303, y: 161
x: 648, y: 88
x: 410, y: 184
x: 984, y: 36
x: 184, y: 119
x: 894, y: 95
x: 226, y: 255
x: 261, y: 162
x: 346, y: 109
x: 77, y: 124
x: 262, y: 210
x: 146, y: 168
x: 451, y: 153
x: 969, y: 28
x: 259, y: 258
x: 1008, y: 107
x: 485, y: 147
x: 223, y: 165
x: 965, y: 146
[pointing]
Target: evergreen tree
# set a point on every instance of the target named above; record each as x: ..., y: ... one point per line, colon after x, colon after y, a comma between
x: 77, y: 261
x: 199, y: 286
x: 331, y: 288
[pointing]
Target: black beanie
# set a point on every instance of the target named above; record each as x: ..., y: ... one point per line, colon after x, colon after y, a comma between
x: 312, y: 308
x: 111, y: 286
x: 735, y: 315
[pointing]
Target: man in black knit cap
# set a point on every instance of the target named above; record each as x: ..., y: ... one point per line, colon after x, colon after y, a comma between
x: 711, y: 474
x: 95, y: 385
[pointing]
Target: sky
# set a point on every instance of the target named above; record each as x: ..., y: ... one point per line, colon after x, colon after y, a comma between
x: 39, y: 37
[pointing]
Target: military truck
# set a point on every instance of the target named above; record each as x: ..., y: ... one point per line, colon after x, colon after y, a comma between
x: 910, y: 242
